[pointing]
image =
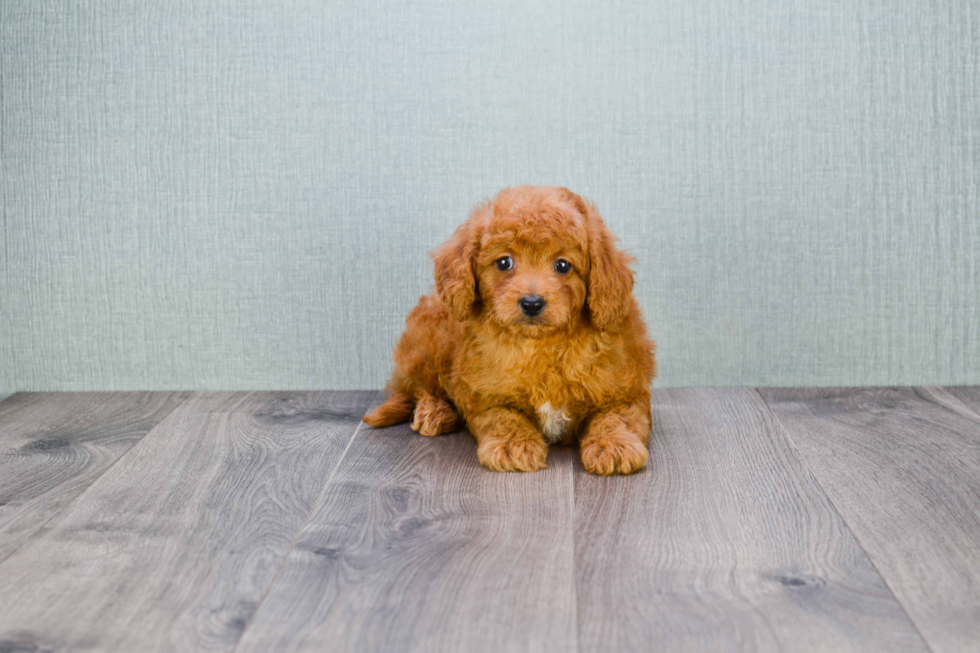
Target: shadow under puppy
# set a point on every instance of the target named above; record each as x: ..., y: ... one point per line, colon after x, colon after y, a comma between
x: 532, y: 337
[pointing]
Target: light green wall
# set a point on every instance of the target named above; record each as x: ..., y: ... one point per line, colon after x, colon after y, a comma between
x: 234, y: 194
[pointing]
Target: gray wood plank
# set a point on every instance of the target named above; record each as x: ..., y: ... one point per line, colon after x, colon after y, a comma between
x: 173, y: 547
x: 54, y: 445
x: 417, y: 548
x: 902, y: 465
x: 724, y: 543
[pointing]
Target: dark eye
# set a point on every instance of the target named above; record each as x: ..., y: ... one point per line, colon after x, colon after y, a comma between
x: 562, y: 266
x: 505, y: 263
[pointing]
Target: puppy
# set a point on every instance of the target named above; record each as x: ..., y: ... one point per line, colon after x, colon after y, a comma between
x: 532, y: 337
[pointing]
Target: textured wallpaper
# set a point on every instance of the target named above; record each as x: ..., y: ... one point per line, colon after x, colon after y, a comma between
x: 232, y: 194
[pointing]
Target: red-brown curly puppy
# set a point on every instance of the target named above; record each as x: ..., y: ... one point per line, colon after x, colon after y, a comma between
x: 533, y: 337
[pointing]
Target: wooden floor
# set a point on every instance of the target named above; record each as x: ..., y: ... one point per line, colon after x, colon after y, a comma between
x: 767, y: 520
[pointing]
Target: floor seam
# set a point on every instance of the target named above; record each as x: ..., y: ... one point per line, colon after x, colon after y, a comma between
x: 40, y: 533
x: 950, y: 396
x: 830, y: 501
x: 309, y: 517
x: 577, y: 612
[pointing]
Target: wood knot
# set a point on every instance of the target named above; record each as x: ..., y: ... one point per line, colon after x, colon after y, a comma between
x: 46, y: 445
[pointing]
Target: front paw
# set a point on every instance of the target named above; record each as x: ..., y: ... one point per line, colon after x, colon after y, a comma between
x: 621, y: 453
x: 513, y: 455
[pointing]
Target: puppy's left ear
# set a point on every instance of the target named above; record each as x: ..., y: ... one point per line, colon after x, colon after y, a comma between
x: 610, y: 281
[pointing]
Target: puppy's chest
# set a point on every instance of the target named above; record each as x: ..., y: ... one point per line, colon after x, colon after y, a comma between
x: 539, y: 382
x: 554, y: 399
x: 555, y: 422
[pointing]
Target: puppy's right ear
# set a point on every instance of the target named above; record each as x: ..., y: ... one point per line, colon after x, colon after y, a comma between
x: 456, y: 266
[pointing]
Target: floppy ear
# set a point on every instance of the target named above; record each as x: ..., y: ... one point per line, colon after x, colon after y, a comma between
x: 610, y: 282
x: 455, y: 270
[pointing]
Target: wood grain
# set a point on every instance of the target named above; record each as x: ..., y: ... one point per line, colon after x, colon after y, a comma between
x: 417, y: 548
x: 53, y: 446
x: 724, y: 543
x: 173, y: 547
x: 903, y: 467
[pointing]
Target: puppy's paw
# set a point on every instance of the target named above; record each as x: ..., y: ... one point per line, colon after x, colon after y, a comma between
x: 526, y: 455
x: 619, y: 453
x: 433, y: 416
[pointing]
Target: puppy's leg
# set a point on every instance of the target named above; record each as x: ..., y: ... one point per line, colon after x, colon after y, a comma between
x: 615, y: 440
x: 508, y: 442
x: 434, y: 416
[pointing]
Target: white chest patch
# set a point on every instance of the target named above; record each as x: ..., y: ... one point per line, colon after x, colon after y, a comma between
x: 554, y: 422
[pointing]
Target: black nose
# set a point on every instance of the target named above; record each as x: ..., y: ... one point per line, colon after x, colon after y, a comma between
x: 531, y: 305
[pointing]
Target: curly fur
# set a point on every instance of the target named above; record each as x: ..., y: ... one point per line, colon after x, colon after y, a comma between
x: 581, y: 369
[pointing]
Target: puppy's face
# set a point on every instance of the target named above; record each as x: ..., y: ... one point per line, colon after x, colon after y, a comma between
x: 531, y: 267
x: 534, y: 260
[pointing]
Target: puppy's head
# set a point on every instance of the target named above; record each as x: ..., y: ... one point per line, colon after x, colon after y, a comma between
x: 534, y: 260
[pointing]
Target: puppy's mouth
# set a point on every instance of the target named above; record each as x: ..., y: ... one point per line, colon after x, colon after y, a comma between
x: 533, y: 320
x: 534, y: 324
x: 529, y: 328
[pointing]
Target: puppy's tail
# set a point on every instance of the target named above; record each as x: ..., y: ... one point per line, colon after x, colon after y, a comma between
x: 396, y: 409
